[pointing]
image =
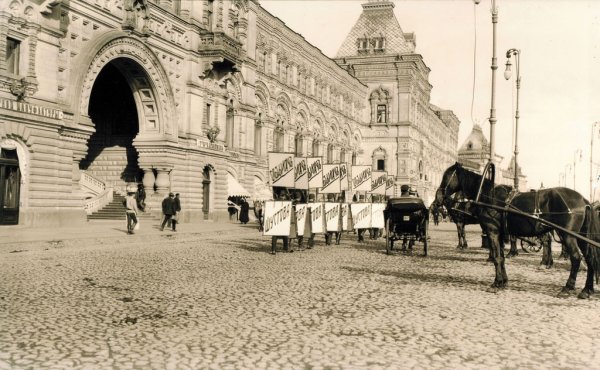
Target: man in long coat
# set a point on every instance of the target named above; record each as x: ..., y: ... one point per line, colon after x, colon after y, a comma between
x: 168, y: 208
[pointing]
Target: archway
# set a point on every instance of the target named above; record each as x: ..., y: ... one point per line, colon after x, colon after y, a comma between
x: 111, y: 156
x: 207, y: 184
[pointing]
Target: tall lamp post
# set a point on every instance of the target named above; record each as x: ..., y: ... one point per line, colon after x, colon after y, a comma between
x: 594, y: 125
x: 494, y: 67
x: 507, y: 74
x: 578, y: 151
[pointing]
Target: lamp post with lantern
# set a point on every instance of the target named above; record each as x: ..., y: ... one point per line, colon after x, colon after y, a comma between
x: 507, y: 75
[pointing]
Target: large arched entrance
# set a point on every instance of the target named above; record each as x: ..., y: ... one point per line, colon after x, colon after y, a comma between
x: 112, y: 108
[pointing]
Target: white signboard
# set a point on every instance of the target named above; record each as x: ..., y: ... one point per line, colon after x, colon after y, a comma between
x: 315, y: 172
x: 345, y: 214
x: 361, y: 178
x: 300, y: 173
x: 377, y: 215
x: 281, y: 169
x: 361, y: 215
x: 344, y: 176
x: 389, y: 186
x: 331, y: 179
x: 278, y: 218
x: 332, y: 216
x: 302, y: 213
x: 317, y: 217
x: 378, y: 179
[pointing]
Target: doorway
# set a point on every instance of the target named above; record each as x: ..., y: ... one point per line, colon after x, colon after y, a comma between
x: 206, y: 180
x: 10, y: 186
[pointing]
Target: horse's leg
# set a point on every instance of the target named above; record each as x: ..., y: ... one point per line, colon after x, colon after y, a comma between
x: 464, y: 235
x: 546, y: 242
x: 497, y: 251
x: 458, y: 229
x: 588, y: 289
x: 570, y: 245
x: 513, y: 247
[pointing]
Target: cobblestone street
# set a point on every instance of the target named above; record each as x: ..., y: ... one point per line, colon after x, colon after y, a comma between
x: 219, y: 300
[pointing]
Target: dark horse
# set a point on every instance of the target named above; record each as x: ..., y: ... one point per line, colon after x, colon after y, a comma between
x: 562, y: 206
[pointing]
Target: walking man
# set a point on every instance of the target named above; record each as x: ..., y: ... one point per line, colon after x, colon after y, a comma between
x: 131, y: 210
x: 175, y: 218
x: 168, y: 208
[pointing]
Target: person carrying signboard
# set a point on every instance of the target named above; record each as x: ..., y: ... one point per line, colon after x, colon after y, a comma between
x: 283, y: 195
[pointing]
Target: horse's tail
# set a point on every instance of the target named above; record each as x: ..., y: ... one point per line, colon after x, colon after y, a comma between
x: 593, y: 227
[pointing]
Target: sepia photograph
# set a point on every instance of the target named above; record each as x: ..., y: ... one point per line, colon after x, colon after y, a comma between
x: 299, y: 184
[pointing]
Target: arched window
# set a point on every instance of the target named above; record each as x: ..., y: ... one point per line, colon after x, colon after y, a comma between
x: 330, y: 153
x: 258, y: 135
x: 229, y: 129
x: 380, y: 101
x: 315, y: 148
x: 420, y: 170
x: 278, y: 138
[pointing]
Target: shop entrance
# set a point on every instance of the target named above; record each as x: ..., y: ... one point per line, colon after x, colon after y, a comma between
x: 10, y: 183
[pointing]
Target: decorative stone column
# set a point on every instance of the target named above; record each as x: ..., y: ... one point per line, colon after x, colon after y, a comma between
x: 163, y: 182
x: 148, y: 181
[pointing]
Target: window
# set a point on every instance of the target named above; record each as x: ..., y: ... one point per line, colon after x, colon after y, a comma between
x: 381, y: 113
x: 298, y: 144
x: 353, y: 159
x: 258, y: 136
x: 278, y: 139
x: 229, y: 127
x: 381, y: 165
x: 206, y: 120
x: 315, y: 148
x: 379, y: 43
x: 363, y: 45
x: 12, y: 55
x: 209, y: 15
x: 329, y: 153
x: 177, y: 6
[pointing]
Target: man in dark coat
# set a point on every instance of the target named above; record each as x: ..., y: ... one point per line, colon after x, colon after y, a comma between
x: 175, y: 218
x: 168, y: 208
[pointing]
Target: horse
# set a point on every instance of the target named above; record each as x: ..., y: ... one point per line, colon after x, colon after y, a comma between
x: 259, y: 213
x: 561, y: 206
x: 459, y: 213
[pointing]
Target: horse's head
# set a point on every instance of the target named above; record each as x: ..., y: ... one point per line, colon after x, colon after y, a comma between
x: 449, y: 184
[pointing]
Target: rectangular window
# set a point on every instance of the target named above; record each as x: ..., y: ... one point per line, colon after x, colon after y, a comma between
x: 381, y: 165
x: 12, y: 55
x: 206, y: 120
x: 381, y: 113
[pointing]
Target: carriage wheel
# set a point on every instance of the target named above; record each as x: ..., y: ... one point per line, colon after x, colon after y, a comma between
x: 530, y: 246
x: 425, y: 238
x: 388, y: 242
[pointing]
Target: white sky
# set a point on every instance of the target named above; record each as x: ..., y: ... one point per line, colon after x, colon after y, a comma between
x: 560, y: 69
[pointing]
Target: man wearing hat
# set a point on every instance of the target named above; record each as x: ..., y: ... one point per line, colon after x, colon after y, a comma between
x: 169, y: 209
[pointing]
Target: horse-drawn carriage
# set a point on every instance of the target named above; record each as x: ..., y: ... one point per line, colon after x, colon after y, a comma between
x: 406, y: 219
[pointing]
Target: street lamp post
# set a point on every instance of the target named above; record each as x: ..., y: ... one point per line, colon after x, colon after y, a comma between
x: 494, y: 68
x: 567, y: 169
x: 578, y: 151
x: 597, y: 123
x: 507, y: 74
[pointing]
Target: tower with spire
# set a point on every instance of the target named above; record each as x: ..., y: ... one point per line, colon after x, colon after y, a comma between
x: 403, y: 132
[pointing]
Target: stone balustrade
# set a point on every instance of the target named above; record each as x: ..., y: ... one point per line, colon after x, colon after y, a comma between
x: 102, y: 199
x: 91, y: 184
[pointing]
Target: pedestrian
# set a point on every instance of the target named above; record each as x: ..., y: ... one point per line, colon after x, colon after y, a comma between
x: 244, y: 208
x: 168, y: 209
x: 175, y: 218
x: 131, y: 211
x: 140, y: 197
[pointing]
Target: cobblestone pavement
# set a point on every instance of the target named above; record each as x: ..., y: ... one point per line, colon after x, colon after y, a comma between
x: 219, y: 300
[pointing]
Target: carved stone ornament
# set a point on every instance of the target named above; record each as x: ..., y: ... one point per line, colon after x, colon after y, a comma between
x: 212, y: 133
x: 18, y: 88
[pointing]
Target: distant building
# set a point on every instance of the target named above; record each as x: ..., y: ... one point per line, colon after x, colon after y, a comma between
x: 473, y: 154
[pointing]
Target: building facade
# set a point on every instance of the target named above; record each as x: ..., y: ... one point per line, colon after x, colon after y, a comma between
x: 403, y: 132
x: 189, y: 97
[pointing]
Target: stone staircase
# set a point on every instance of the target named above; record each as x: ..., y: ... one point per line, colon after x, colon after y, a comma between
x: 114, y: 211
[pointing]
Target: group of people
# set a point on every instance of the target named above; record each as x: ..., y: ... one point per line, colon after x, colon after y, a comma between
x: 134, y: 202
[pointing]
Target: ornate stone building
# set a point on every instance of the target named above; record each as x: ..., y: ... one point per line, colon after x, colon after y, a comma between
x: 403, y: 132
x: 182, y: 96
x: 190, y: 96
